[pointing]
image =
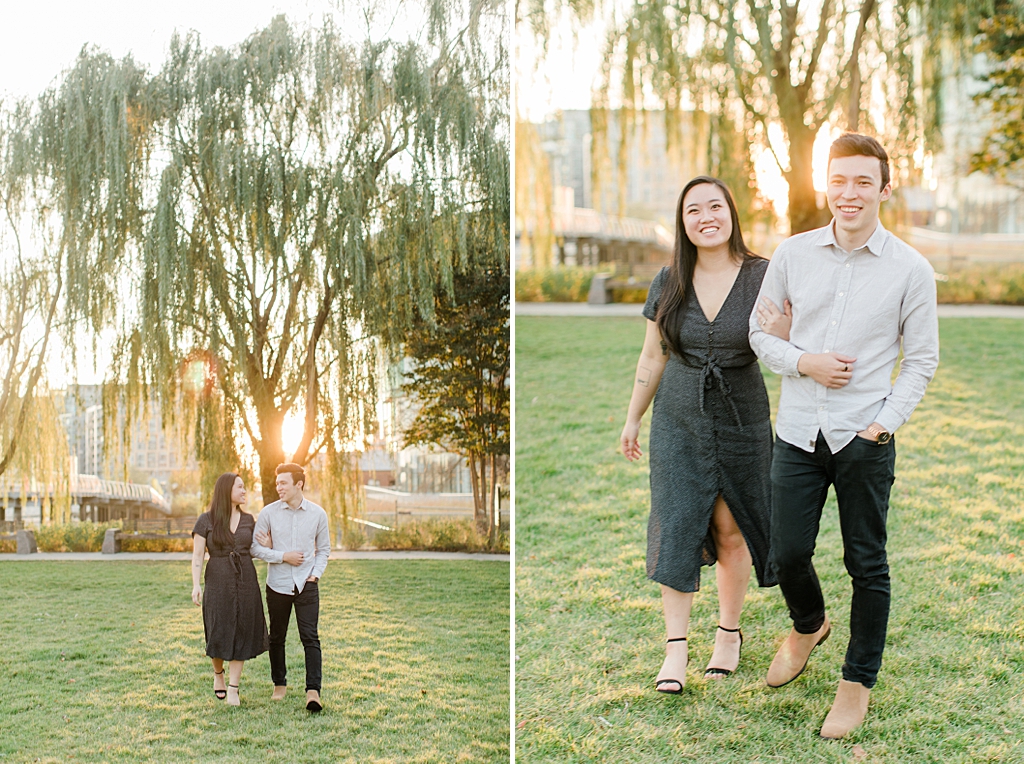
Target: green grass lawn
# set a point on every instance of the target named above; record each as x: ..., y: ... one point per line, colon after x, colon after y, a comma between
x: 589, y: 630
x: 104, y: 661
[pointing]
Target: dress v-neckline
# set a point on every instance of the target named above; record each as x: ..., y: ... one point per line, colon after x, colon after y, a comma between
x: 727, y: 296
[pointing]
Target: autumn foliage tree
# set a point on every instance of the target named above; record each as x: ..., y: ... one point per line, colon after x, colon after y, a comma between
x: 460, y: 378
x: 1002, y: 39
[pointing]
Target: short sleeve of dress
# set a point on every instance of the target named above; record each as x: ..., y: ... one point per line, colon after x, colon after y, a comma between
x: 202, y: 526
x: 654, y: 294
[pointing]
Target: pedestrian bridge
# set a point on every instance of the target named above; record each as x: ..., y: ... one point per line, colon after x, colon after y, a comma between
x: 97, y: 499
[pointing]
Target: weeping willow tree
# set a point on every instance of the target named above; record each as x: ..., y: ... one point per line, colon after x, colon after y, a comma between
x: 32, y: 443
x: 786, y: 63
x: 261, y: 223
x: 534, y: 196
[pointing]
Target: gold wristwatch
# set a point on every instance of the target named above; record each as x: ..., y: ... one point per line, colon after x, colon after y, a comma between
x: 879, y: 433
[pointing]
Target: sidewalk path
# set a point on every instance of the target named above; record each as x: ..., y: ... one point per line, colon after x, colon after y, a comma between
x: 627, y: 309
x: 337, y: 554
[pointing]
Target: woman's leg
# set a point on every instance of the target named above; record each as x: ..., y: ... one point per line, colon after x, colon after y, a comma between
x: 676, y: 605
x: 219, y: 685
x: 733, y: 575
x: 234, y: 674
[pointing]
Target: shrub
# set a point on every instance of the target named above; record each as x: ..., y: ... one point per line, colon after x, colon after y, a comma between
x: 72, y: 537
x: 438, y: 536
x: 128, y: 544
x: 567, y: 284
x: 8, y: 546
x: 352, y: 536
x: 983, y: 284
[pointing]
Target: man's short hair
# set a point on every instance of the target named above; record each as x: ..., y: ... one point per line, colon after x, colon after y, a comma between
x: 857, y: 145
x: 298, y: 475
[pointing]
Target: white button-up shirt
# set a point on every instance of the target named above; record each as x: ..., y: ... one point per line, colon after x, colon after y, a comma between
x: 862, y: 304
x: 293, y: 530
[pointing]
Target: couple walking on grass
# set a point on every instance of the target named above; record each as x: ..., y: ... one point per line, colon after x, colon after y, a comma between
x: 829, y: 313
x: 291, y: 535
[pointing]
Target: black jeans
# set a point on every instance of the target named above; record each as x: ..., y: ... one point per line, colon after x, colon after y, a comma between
x: 307, y: 617
x: 862, y: 473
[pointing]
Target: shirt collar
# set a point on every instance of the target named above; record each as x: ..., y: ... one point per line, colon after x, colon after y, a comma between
x: 874, y: 244
x: 285, y: 505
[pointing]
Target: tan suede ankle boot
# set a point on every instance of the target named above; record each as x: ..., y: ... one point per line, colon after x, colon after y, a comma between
x: 848, y: 710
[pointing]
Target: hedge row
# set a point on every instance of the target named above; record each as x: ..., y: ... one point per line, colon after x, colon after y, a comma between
x: 429, y: 535
x: 977, y: 284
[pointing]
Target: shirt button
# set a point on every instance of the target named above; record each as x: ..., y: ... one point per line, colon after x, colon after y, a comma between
x: 840, y: 294
x: 847, y: 265
x: 826, y: 350
x: 833, y: 323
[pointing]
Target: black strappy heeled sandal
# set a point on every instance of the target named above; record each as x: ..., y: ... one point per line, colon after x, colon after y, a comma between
x: 221, y: 694
x: 658, y: 683
x: 713, y: 672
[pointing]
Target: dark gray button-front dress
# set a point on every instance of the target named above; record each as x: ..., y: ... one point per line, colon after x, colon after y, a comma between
x: 710, y: 435
x: 232, y: 605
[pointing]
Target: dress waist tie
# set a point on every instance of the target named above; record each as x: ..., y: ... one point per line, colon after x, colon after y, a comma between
x: 710, y: 375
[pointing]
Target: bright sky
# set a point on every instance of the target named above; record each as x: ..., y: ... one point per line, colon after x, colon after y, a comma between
x: 40, y: 39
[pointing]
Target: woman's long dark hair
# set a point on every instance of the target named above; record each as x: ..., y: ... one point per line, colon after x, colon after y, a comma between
x: 684, y: 258
x: 220, y: 509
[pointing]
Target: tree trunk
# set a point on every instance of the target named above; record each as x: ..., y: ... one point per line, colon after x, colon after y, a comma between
x: 803, y: 204
x: 867, y: 9
x: 492, y: 529
x: 270, y: 451
x: 477, y: 497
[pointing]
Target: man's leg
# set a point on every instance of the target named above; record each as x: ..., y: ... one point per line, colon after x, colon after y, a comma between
x: 800, y: 482
x: 279, y: 608
x: 307, y: 617
x: 864, y: 476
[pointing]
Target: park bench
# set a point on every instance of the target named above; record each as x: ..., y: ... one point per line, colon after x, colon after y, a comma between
x: 171, y: 528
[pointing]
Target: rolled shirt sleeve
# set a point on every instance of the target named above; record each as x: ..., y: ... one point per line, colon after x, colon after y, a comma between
x: 323, y: 546
x: 919, y: 327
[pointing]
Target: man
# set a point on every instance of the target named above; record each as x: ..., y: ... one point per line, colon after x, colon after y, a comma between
x: 296, y: 531
x: 856, y: 291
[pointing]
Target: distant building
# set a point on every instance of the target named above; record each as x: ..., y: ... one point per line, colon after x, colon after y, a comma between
x: 957, y: 216
x: 153, y: 454
x: 654, y: 176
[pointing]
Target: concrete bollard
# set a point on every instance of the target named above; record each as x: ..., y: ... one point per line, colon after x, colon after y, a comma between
x: 599, y: 293
x: 111, y: 543
x: 27, y: 542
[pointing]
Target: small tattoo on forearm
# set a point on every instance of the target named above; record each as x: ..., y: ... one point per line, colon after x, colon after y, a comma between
x: 644, y: 377
x: 664, y: 347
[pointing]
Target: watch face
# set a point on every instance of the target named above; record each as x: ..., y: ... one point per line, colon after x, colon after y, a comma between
x: 883, y: 437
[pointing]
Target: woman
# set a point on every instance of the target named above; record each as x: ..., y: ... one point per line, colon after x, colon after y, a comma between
x: 232, y: 608
x: 711, y: 436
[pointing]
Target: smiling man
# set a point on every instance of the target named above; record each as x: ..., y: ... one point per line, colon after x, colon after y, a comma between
x: 292, y: 536
x: 857, y: 293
